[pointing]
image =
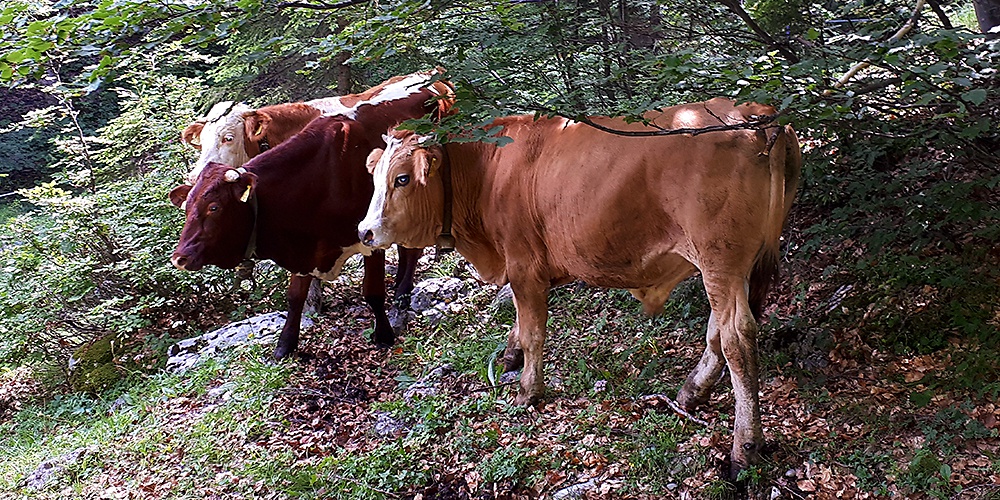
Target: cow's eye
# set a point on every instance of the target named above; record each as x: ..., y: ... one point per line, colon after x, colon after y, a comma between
x: 213, y: 208
x: 228, y: 138
x: 401, y: 180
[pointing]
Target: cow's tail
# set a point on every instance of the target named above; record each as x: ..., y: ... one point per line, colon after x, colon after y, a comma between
x: 785, y: 163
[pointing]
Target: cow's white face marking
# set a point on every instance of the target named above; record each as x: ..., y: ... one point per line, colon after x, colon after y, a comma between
x: 338, y: 266
x: 399, y: 90
x: 373, y: 220
x: 222, y: 137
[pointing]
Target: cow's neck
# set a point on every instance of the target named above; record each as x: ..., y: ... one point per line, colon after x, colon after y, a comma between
x: 295, y: 189
x: 469, y: 179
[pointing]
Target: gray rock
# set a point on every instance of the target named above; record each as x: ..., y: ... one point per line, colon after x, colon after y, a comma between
x: 434, y: 292
x: 262, y: 329
x: 428, y: 384
x: 504, y: 299
x: 50, y: 469
x: 388, y: 426
x: 436, y: 298
x: 224, y: 391
x: 575, y: 491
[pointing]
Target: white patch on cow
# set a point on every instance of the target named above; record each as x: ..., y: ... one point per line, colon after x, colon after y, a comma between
x: 400, y: 90
x: 373, y: 220
x: 345, y: 253
x: 331, y: 106
x: 219, y: 126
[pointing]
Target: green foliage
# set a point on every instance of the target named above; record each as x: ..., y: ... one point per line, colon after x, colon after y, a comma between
x: 653, y: 460
x: 506, y: 464
x: 81, y: 265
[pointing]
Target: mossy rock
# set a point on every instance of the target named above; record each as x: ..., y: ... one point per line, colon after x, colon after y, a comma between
x: 92, y: 367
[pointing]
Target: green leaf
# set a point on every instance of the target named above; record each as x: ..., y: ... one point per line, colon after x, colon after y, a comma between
x: 921, y: 399
x: 812, y: 34
x: 975, y: 96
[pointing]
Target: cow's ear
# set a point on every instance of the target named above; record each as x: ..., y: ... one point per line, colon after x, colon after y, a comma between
x: 179, y: 194
x: 256, y: 123
x: 192, y: 134
x: 245, y: 186
x: 372, y: 160
x: 425, y: 165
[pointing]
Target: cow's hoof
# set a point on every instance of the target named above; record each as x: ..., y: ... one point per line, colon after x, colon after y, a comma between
x: 513, y: 360
x: 384, y: 340
x: 524, y: 399
x: 281, y: 352
x: 689, y: 401
x: 743, y: 458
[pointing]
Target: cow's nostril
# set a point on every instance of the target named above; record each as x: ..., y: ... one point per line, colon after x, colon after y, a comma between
x: 367, y: 237
x: 179, y: 261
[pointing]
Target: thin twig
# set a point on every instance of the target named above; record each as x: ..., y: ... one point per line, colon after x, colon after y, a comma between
x: 676, y: 407
x: 750, y: 124
x: 910, y: 23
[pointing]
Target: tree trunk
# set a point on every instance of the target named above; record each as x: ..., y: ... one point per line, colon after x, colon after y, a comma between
x: 988, y: 14
x: 343, y: 70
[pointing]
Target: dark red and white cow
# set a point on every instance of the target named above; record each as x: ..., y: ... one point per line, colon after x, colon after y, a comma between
x: 567, y: 201
x: 299, y: 202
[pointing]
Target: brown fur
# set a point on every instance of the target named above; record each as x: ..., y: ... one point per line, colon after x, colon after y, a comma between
x: 566, y: 201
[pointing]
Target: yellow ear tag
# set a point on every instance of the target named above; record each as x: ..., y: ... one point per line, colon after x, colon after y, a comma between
x: 246, y: 195
x: 260, y: 129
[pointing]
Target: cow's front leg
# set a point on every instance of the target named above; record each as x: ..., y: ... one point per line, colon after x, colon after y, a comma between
x: 373, y: 289
x: 408, y: 258
x: 531, y: 302
x: 298, y: 290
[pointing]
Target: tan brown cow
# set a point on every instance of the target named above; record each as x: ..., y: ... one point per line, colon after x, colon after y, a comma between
x: 567, y: 201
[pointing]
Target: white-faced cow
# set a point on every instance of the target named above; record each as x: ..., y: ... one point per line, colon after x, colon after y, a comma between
x: 299, y: 203
x: 567, y: 201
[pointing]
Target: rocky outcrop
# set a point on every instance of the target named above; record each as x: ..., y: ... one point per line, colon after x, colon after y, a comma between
x: 262, y: 329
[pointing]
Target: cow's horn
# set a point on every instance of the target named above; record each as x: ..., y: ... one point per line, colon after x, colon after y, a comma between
x: 233, y: 175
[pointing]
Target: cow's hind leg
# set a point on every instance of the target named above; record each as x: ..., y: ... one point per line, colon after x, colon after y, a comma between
x: 373, y: 289
x: 298, y: 289
x: 513, y: 355
x: 531, y: 302
x: 738, y: 334
x: 698, y: 386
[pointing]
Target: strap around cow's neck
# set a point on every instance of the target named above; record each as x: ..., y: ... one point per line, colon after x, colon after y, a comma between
x: 445, y: 241
x: 263, y: 144
x: 251, y: 252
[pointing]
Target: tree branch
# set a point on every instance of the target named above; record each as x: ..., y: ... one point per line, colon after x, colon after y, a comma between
x: 320, y: 5
x: 936, y: 7
x: 786, y: 51
x: 899, y: 34
x: 759, y: 122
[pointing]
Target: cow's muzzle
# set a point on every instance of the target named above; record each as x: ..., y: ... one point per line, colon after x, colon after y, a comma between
x: 183, y: 262
x: 367, y: 237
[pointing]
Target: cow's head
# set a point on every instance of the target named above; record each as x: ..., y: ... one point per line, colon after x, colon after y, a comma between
x: 406, y: 207
x: 220, y: 136
x: 219, y: 218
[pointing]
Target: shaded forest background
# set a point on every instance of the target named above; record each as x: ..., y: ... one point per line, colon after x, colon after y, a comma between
x: 893, y: 241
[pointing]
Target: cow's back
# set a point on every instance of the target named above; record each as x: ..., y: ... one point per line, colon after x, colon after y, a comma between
x: 621, y: 211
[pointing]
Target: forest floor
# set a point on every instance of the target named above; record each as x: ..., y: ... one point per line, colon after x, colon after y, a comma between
x: 843, y: 416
